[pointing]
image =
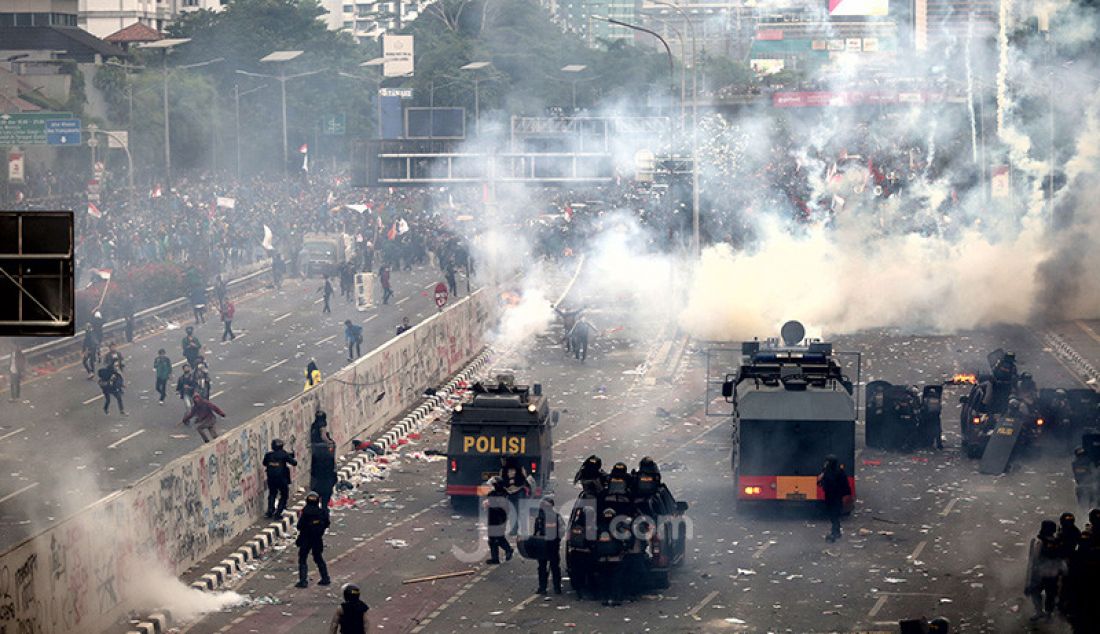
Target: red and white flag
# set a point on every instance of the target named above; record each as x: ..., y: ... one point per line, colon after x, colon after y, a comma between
x: 157, y: 192
x: 94, y: 211
x: 304, y: 150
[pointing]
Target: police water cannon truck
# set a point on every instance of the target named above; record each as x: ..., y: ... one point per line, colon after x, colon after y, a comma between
x: 793, y: 405
x: 503, y: 423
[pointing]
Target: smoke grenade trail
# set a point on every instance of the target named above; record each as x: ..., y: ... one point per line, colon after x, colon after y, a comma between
x: 970, y: 90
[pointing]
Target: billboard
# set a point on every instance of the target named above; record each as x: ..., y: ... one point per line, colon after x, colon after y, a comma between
x: 435, y: 123
x: 397, y: 53
x: 859, y: 7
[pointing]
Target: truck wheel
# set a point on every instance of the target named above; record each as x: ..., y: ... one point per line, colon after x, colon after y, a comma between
x: 972, y: 450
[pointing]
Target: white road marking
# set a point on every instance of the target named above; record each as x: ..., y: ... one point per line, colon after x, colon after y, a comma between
x: 950, y: 505
x: 877, y: 606
x: 319, y: 300
x: 702, y: 604
x: 275, y: 365
x: 12, y: 433
x: 217, y: 394
x: 328, y: 338
x: 281, y: 317
x: 370, y: 318
x: 1088, y: 330
x: 24, y: 489
x: 93, y: 399
x: 125, y: 438
x: 402, y: 301
x: 918, y: 549
x: 179, y: 363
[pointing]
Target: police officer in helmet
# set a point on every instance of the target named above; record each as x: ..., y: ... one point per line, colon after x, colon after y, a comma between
x: 497, y: 506
x: 351, y: 616
x: 591, y: 476
x: 276, y: 463
x: 312, y: 524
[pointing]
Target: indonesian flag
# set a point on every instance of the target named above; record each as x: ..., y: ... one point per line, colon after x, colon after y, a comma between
x: 304, y: 151
x: 94, y: 211
x: 569, y: 212
x: 392, y: 233
x: 157, y: 192
x: 227, y: 203
x: 103, y: 274
x: 331, y: 198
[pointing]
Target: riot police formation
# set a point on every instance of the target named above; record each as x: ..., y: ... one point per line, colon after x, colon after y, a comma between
x: 904, y: 418
x: 312, y: 524
x: 276, y: 462
x: 624, y: 532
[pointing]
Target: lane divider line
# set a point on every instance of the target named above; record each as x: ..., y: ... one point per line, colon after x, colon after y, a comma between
x: 23, y: 490
x: 275, y: 365
x: 282, y: 317
x: 694, y: 612
x: 947, y: 509
x: 12, y: 433
x: 125, y: 438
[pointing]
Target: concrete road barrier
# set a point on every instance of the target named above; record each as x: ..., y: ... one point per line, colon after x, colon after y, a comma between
x: 86, y: 573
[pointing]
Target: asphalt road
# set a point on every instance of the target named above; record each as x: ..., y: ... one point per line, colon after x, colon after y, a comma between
x: 929, y: 535
x: 59, y: 452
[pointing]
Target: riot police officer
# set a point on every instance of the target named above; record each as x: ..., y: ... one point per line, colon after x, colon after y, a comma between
x: 1084, y: 476
x: 591, y: 476
x: 276, y: 463
x: 549, y: 526
x: 351, y: 616
x: 647, y: 478
x: 496, y: 505
x: 312, y: 524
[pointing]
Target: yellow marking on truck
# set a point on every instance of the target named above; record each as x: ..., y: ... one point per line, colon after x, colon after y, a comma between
x: 494, y: 445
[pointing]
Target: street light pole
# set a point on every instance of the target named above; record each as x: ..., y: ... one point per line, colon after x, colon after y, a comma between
x: 282, y: 89
x: 167, y: 128
x: 694, y: 69
x: 668, y: 52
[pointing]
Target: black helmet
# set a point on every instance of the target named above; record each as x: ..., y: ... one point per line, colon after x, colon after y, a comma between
x: 939, y: 625
x: 320, y: 419
x: 1067, y: 519
x: 594, y: 462
x: 190, y: 330
x: 276, y: 444
x: 1010, y: 356
x: 647, y: 465
x: 619, y: 470
x: 313, y: 498
x: 1094, y: 519
x: 1025, y: 376
x: 351, y: 592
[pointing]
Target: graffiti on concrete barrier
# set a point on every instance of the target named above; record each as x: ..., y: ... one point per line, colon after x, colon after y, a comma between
x: 77, y: 575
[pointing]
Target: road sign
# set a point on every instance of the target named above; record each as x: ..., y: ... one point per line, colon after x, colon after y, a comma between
x: 440, y: 295
x: 334, y: 124
x: 27, y: 128
x: 63, y: 132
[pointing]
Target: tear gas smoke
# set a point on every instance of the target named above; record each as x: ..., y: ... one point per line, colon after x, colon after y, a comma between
x: 935, y: 254
x: 150, y: 587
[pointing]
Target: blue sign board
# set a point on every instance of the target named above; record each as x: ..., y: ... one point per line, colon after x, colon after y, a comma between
x: 63, y: 132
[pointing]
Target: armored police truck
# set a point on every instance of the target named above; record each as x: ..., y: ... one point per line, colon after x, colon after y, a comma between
x: 792, y: 406
x: 505, y: 422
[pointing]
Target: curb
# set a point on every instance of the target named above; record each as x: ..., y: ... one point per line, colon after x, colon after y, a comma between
x: 254, y: 548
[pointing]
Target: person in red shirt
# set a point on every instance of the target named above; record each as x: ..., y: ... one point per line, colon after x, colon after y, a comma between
x: 203, y: 412
x: 227, y: 310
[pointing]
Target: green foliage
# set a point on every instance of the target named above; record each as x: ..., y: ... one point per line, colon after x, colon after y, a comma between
x: 527, y: 51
